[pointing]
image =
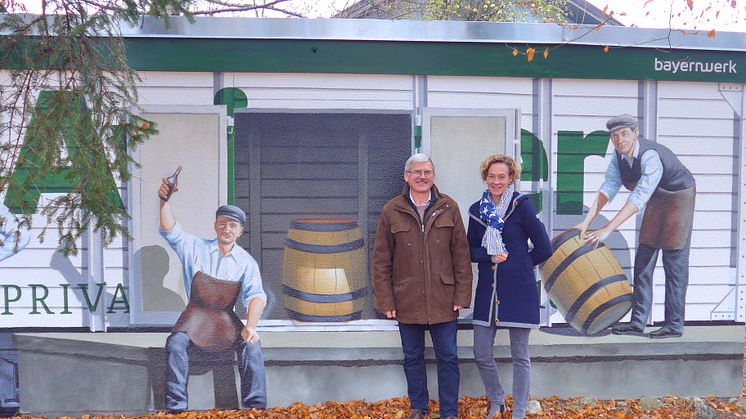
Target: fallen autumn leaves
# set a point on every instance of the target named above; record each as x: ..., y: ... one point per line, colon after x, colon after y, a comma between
x: 472, y: 408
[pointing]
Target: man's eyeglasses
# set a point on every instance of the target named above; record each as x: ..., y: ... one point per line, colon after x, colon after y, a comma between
x: 418, y: 173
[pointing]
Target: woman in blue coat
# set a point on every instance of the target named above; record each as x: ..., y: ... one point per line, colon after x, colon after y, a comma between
x: 500, y: 227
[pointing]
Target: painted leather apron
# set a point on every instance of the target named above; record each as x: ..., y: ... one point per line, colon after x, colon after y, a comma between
x: 209, y: 319
x: 667, y: 221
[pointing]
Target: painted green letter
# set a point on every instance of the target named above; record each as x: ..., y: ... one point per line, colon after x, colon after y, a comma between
x: 572, y: 149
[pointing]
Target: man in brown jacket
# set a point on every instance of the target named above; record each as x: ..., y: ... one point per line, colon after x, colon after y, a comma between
x: 422, y: 278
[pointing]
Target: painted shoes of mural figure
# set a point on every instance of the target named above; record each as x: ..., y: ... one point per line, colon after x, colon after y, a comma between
x: 417, y: 414
x: 625, y: 329
x: 664, y: 332
x: 496, y: 409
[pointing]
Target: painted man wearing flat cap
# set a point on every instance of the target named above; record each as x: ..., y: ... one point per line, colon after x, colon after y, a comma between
x: 663, y: 189
x: 216, y: 273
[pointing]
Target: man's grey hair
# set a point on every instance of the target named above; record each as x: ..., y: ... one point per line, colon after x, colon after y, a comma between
x: 417, y: 158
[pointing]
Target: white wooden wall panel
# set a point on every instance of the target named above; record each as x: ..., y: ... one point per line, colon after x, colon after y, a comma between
x: 699, y: 164
x: 702, y: 128
x: 175, y: 96
x: 167, y: 88
x: 692, y: 107
x: 175, y: 79
x: 39, y: 257
x: 710, y: 238
x: 321, y: 81
x: 515, y: 86
x: 693, y: 121
x: 712, y: 220
x: 688, y: 90
x: 482, y: 93
x: 324, y: 91
x: 706, y: 293
x: 586, y: 105
x: 694, y: 312
x: 697, y: 124
x: 76, y: 318
x: 686, y: 145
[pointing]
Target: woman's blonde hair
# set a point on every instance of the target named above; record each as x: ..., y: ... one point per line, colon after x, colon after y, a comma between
x: 514, y: 169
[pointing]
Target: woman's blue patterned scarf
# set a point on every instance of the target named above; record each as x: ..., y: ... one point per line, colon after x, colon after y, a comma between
x: 495, y: 218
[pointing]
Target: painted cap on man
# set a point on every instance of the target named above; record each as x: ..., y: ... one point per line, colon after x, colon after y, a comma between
x: 621, y: 121
x: 231, y: 211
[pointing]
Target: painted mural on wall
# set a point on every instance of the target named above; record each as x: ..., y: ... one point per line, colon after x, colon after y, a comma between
x: 216, y: 273
x: 313, y: 195
x: 40, y: 286
x: 312, y: 185
x: 663, y: 190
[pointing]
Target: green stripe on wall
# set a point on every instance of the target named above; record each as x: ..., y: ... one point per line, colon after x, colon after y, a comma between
x: 431, y: 58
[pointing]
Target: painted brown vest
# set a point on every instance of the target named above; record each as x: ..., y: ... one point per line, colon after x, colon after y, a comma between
x: 669, y: 214
x: 209, y: 319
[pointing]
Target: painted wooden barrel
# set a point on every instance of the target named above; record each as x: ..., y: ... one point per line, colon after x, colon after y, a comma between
x: 587, y: 284
x: 324, y: 271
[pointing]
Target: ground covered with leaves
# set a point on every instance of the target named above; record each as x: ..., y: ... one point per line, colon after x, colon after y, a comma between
x: 668, y: 407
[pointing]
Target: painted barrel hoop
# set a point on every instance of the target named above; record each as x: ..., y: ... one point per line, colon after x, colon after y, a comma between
x: 324, y: 274
x: 586, y: 283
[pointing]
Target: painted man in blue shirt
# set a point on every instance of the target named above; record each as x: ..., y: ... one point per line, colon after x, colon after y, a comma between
x: 216, y: 272
x: 665, y: 190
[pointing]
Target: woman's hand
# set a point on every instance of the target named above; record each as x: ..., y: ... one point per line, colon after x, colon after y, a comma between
x: 502, y: 257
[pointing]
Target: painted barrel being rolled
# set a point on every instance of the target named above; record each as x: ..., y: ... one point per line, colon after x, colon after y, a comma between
x: 587, y: 284
x: 324, y: 275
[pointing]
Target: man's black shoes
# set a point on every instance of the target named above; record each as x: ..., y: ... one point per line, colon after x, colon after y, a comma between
x: 626, y: 329
x: 630, y: 329
x: 418, y: 414
x: 664, y: 332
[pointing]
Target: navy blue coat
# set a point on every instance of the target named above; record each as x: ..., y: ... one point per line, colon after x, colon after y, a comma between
x: 516, y: 296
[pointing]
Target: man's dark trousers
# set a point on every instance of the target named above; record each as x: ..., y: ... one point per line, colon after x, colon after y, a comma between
x: 250, y: 368
x: 444, y: 343
x: 676, y: 269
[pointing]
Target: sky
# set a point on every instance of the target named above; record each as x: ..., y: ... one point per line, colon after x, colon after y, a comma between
x: 642, y: 13
x: 676, y: 14
x: 719, y: 15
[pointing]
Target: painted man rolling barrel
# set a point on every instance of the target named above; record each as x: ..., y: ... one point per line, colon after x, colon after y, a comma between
x: 216, y: 272
x: 664, y: 189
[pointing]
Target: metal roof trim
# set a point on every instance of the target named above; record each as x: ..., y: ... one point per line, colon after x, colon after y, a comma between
x: 243, y: 28
x: 437, y: 31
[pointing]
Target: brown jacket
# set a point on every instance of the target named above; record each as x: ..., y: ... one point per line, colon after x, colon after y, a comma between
x: 421, y: 270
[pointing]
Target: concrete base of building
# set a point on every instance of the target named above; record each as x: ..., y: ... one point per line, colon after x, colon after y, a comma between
x: 122, y: 373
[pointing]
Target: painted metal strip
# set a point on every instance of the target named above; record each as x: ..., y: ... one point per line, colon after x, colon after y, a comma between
x: 322, y: 227
x: 324, y: 298
x: 627, y: 298
x: 565, y: 263
x: 322, y: 248
x: 562, y: 238
x: 306, y: 318
x: 582, y: 298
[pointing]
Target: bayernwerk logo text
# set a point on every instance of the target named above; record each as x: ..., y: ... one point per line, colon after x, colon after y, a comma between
x: 695, y: 66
